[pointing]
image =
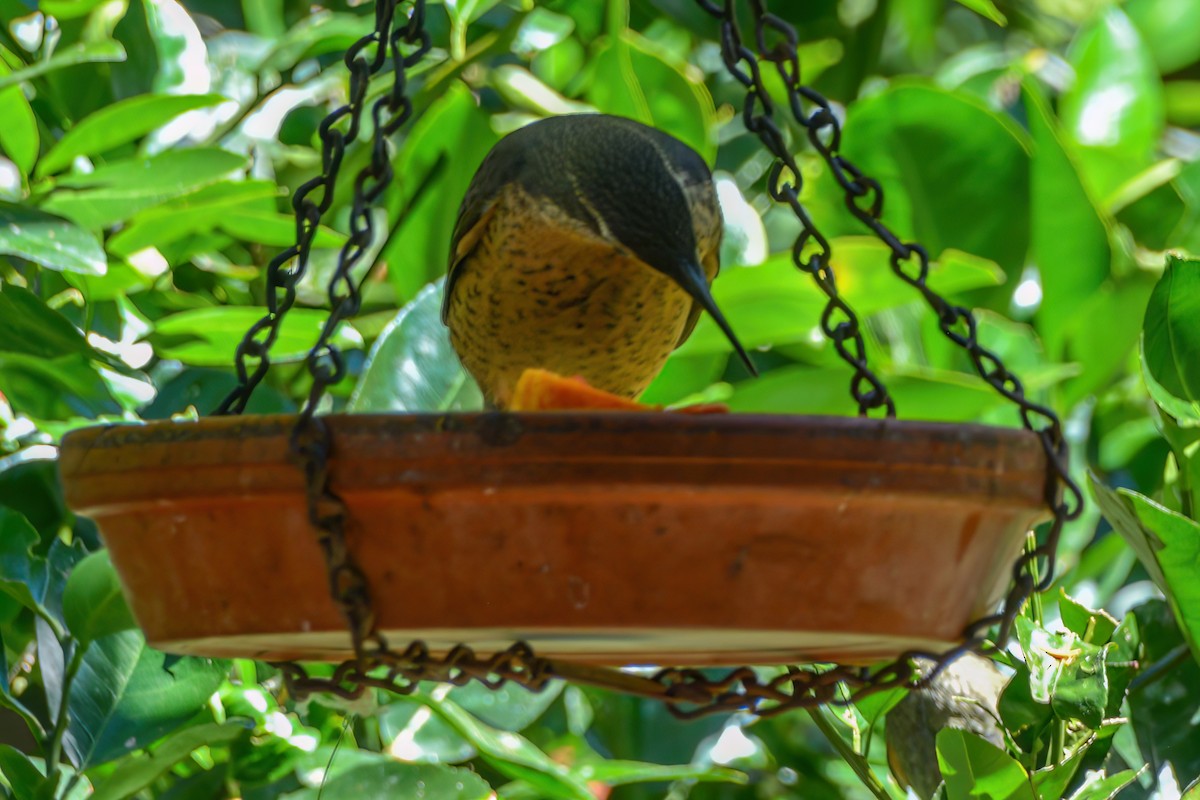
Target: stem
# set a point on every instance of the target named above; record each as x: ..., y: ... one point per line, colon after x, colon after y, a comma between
x: 1058, y: 743
x: 1035, y: 599
x: 857, y: 763
x: 53, y: 748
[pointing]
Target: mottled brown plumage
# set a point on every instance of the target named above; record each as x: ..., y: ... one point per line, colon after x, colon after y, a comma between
x: 585, y: 245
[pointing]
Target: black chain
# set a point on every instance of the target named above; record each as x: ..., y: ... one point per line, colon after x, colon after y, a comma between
x: 688, y: 692
x: 252, y: 358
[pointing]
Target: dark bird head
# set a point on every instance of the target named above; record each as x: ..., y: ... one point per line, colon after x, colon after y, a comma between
x: 627, y: 182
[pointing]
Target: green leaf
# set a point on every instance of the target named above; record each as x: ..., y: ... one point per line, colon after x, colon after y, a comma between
x: 412, y: 367
x: 208, y: 337
x: 49, y: 241
x: 955, y: 173
x: 509, y: 753
x: 973, y: 767
x: 1097, y: 786
x: 28, y: 325
x: 635, y: 77
x: 1173, y: 26
x: 198, y: 212
x: 21, y: 774
x: 1168, y: 546
x: 919, y: 394
x: 1171, y: 331
x: 118, y: 190
x: 1065, y: 672
x: 1094, y: 627
x: 1019, y: 710
x: 462, y: 13
x: 438, y: 159
x: 1066, y: 226
x: 127, y: 695
x: 120, y: 123
x: 616, y: 772
x: 139, y: 771
x: 394, y: 779
x: 22, y: 574
x: 986, y: 8
x: 271, y: 228
x: 1114, y: 109
x: 775, y: 304
x: 19, y: 137
x: 1052, y: 782
x: 85, y: 53
x: 93, y: 605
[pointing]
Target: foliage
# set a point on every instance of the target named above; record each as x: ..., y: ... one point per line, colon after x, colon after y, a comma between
x: 1041, y: 150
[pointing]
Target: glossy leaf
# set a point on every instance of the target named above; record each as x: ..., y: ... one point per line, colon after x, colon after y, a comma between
x: 1168, y: 546
x: 22, y: 574
x: 955, y: 173
x: 634, y: 77
x: 948, y: 397
x: 84, y: 53
x: 986, y: 8
x: 120, y: 189
x: 1070, y: 238
x: 49, y: 241
x: 614, y: 772
x: 1065, y: 672
x: 1090, y: 625
x: 511, y: 754
x: 23, y: 777
x: 19, y: 136
x: 1171, y: 27
x: 775, y: 304
x: 1171, y: 343
x: 1102, y: 787
x: 412, y: 367
x: 127, y: 695
x: 139, y: 771
x: 438, y: 160
x: 197, y: 212
x: 93, y: 605
x: 1113, y: 111
x: 120, y: 123
x: 208, y: 337
x: 975, y: 768
x: 393, y: 779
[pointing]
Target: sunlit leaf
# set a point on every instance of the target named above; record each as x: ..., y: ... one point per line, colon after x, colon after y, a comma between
x: 1171, y: 344
x: 127, y: 695
x: 412, y: 367
x: 120, y: 123
x: 49, y: 241
x: 85, y: 53
x: 975, y: 768
x: 209, y: 337
x: 1070, y: 238
x: 19, y: 136
x: 1113, y: 111
x: 1167, y: 544
x: 954, y: 172
x: 139, y: 771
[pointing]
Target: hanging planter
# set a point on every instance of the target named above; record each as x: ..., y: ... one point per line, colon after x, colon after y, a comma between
x: 605, y: 538
x: 562, y: 543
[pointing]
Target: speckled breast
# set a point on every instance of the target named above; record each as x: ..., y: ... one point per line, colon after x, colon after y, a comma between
x: 538, y: 291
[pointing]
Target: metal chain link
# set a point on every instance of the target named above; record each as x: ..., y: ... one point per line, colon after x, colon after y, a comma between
x: 687, y: 692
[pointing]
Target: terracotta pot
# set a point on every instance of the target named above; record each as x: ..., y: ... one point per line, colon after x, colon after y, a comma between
x: 607, y: 538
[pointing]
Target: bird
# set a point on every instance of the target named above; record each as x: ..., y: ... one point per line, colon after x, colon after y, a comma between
x: 585, y: 246
x: 963, y: 696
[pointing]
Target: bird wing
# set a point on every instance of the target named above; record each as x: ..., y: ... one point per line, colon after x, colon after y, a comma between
x: 477, y: 210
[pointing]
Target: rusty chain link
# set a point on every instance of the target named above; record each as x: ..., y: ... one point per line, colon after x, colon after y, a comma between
x: 687, y: 692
